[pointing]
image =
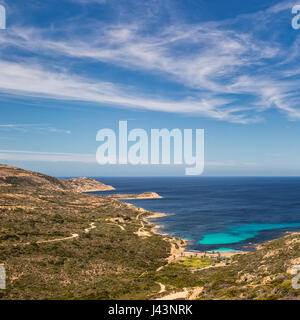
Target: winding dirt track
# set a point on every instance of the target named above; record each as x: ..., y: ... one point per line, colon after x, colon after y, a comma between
x: 117, y: 225
x: 142, y: 232
x: 73, y: 236
x: 92, y: 226
x: 162, y: 287
x: 181, y: 295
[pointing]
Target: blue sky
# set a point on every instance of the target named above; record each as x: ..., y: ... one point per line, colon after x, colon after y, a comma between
x: 71, y: 67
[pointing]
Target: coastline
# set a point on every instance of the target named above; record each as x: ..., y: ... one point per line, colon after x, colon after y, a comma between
x: 178, y: 245
x: 183, y: 251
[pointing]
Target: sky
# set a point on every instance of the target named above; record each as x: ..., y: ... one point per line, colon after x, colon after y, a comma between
x: 69, y: 68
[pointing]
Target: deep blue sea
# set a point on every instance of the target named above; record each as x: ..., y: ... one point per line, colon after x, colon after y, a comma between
x: 223, y: 214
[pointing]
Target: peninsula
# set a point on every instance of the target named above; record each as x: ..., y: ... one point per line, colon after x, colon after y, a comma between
x: 144, y: 195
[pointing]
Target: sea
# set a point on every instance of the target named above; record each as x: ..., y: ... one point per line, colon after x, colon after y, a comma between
x: 219, y: 213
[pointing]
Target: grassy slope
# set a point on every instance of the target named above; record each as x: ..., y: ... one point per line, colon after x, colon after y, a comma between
x: 103, y: 264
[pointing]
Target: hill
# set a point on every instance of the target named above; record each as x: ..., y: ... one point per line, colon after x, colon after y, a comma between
x: 16, y: 176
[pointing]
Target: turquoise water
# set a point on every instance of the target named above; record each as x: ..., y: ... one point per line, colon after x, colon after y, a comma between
x: 240, y: 233
x: 225, y: 250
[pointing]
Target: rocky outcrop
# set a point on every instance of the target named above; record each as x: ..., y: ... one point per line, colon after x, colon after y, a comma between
x: 87, y: 185
x: 144, y: 195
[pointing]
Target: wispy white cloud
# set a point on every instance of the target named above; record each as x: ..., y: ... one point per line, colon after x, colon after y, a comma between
x: 31, y: 80
x: 234, y: 74
x: 23, y: 155
x: 35, y: 127
x: 220, y: 163
x: 230, y: 164
x: 89, y: 1
x: 249, y: 164
x: 282, y: 6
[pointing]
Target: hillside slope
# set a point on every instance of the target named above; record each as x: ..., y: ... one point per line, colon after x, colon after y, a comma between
x: 58, y: 244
